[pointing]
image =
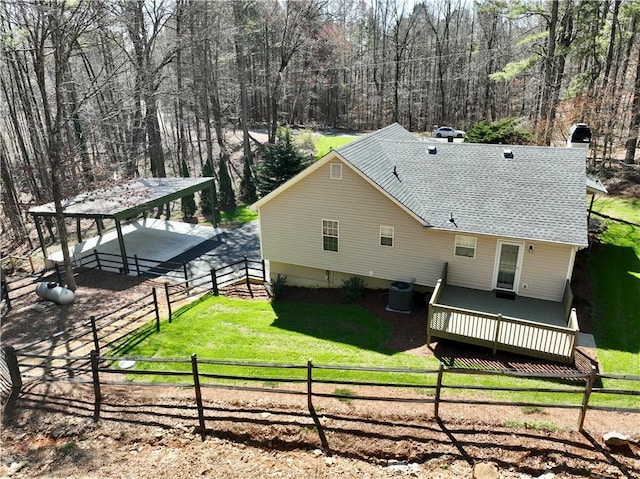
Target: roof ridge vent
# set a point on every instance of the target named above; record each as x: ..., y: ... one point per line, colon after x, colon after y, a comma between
x: 507, y: 153
x: 432, y: 149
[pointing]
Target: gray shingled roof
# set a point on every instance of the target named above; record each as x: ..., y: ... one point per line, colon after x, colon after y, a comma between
x: 539, y: 194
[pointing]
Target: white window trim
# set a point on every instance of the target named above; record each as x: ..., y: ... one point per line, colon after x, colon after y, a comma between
x: 456, y: 245
x: 393, y: 240
x: 331, y: 168
x: 323, y: 235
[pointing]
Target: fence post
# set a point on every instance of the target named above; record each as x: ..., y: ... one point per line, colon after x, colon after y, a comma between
x: 16, y: 379
x: 214, y: 282
x: 95, y: 253
x: 246, y: 275
x: 94, y: 330
x: 264, y: 271
x: 135, y: 258
x: 585, y: 400
x: 33, y: 270
x: 166, y: 293
x: 312, y: 411
x: 4, y: 293
x: 436, y: 409
x: 309, y: 385
x: 96, y: 385
x: 495, y: 338
x: 155, y: 305
x: 196, y: 385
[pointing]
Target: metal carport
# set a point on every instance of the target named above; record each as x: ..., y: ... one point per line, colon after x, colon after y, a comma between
x: 122, y: 202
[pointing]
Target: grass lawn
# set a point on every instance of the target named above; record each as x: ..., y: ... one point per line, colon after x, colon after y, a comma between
x: 291, y: 333
x: 324, y: 143
x: 614, y: 268
x: 243, y: 214
x: 284, y: 333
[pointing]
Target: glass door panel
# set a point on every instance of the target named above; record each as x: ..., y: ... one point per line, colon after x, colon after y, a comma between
x: 508, y: 266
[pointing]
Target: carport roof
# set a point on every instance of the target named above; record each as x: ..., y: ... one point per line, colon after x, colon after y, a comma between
x: 126, y: 200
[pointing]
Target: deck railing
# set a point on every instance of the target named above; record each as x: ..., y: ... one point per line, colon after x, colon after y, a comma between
x: 500, y: 332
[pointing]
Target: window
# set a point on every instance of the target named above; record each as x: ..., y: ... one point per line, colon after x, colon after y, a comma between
x: 386, y: 236
x: 336, y: 171
x: 465, y: 246
x: 329, y: 235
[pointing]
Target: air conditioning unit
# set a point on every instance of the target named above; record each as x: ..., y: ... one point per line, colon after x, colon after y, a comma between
x: 400, y: 297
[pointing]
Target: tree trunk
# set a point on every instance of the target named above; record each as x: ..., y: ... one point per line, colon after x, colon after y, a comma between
x: 239, y: 46
x: 549, y: 68
x: 634, y: 125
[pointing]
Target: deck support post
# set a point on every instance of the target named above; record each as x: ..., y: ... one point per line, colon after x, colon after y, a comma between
x: 495, y: 338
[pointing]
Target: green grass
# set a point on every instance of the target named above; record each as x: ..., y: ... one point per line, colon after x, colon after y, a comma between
x: 284, y: 333
x: 324, y: 143
x: 614, y: 269
x: 243, y: 214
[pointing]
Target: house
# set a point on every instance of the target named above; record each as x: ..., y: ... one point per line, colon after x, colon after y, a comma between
x: 492, y: 230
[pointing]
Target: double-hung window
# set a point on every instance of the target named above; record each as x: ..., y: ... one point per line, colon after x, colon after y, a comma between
x: 465, y: 246
x: 330, y: 235
x: 386, y: 236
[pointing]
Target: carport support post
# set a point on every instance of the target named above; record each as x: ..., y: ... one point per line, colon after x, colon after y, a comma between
x: 186, y: 276
x: 78, y: 230
x: 36, y: 220
x: 123, y: 251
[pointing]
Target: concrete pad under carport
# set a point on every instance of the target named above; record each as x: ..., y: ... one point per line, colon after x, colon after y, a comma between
x: 147, y: 238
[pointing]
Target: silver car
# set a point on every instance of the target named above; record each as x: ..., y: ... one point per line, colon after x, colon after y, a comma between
x: 447, y: 131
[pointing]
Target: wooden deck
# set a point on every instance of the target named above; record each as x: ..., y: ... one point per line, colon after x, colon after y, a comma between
x: 537, y: 328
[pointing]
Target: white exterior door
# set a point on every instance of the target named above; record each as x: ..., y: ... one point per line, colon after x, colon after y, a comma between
x: 506, y: 275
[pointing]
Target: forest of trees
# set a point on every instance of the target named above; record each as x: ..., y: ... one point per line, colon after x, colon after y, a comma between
x: 97, y: 91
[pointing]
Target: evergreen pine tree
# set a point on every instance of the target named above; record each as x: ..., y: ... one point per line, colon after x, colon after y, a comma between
x: 187, y: 203
x: 248, y: 193
x: 205, y: 199
x: 227, y: 200
x: 281, y: 161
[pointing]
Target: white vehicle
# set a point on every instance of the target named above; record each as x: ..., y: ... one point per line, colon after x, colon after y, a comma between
x: 447, y: 131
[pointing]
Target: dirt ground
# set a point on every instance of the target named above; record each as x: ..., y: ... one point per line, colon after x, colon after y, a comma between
x: 153, y: 432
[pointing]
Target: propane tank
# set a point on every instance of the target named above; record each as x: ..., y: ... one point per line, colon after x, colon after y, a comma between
x: 52, y: 292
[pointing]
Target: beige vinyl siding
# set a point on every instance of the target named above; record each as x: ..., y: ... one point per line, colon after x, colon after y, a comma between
x: 291, y: 230
x: 544, y: 270
x: 291, y: 239
x: 471, y: 272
